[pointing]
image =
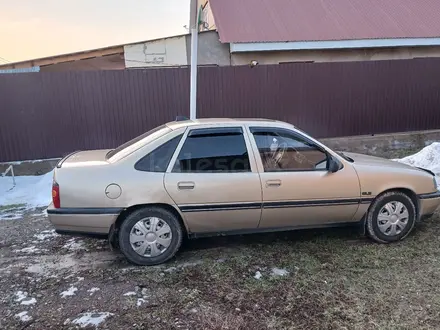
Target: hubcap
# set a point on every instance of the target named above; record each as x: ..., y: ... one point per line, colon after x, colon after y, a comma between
x: 393, y: 218
x: 150, y: 237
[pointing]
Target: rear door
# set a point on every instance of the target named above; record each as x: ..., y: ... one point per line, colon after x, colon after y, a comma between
x: 214, y: 180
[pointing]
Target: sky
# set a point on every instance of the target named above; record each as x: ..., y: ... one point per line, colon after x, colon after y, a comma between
x: 38, y: 28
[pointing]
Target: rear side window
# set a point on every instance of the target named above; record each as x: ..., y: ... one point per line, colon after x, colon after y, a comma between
x: 159, y: 158
x: 213, y: 150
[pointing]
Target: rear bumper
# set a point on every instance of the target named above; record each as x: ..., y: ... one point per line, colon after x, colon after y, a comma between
x: 428, y: 204
x: 83, y: 220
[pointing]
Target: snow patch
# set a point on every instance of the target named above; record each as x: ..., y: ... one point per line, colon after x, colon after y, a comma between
x: 93, y: 290
x: 69, y: 292
x: 46, y: 234
x: 140, y: 301
x: 20, y: 295
x: 29, y: 301
x: 191, y: 264
x: 43, y: 213
x: 23, y: 316
x: 31, y: 249
x: 90, y: 319
x: 54, y: 265
x: 24, y: 299
x: 10, y: 216
x: 279, y: 272
x: 47, y: 265
x: 73, y: 245
x: 31, y: 191
x: 427, y: 158
x: 258, y: 275
x: 182, y: 266
x: 170, y: 270
x: 131, y: 293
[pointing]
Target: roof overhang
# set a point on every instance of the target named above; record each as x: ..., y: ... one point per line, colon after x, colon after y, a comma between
x: 332, y: 44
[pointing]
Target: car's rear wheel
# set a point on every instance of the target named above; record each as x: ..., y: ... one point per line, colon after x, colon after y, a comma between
x: 391, y: 217
x: 150, y: 236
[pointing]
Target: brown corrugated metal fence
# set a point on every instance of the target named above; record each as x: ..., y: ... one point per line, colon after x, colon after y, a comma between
x: 45, y: 115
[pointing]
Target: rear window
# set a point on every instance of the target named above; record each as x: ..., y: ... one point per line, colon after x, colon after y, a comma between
x: 132, y: 145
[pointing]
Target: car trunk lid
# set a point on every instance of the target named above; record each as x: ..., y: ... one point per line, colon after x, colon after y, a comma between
x: 85, y: 158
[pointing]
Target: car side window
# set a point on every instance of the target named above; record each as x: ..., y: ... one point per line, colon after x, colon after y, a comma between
x: 283, y: 150
x: 159, y: 158
x: 213, y: 150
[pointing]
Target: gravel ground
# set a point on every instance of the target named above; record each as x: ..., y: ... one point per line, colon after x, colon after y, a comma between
x: 324, y: 279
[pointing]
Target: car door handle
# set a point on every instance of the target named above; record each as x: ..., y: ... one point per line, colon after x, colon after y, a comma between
x: 273, y: 183
x: 186, y: 185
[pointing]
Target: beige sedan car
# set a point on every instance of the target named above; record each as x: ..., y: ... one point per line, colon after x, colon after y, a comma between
x: 231, y: 176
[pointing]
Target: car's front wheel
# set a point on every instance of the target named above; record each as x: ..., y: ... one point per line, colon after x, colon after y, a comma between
x: 150, y: 236
x: 391, y: 217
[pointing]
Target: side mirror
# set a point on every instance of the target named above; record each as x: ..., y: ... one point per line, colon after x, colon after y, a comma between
x: 333, y: 165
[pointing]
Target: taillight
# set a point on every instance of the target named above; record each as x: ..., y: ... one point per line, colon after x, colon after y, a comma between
x: 56, y: 195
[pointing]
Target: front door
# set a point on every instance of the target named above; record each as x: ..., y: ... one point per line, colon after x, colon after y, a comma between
x: 298, y: 190
x: 214, y: 181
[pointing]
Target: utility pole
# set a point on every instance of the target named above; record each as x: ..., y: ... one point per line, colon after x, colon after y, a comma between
x: 194, y: 26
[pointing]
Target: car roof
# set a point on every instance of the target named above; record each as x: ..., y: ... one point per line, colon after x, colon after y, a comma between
x: 226, y: 121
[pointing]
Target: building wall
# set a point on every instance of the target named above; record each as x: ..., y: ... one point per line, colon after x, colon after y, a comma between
x: 157, y: 53
x: 108, y: 58
x: 108, y: 62
x: 208, y: 18
x: 344, y: 55
x: 176, y: 51
x: 210, y: 51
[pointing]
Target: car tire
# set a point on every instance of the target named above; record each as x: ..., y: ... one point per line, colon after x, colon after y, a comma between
x: 139, y: 232
x: 391, y: 217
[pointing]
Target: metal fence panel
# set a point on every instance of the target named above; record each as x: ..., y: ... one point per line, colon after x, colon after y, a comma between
x: 45, y: 115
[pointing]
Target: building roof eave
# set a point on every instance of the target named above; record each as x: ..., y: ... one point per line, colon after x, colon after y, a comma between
x: 332, y: 44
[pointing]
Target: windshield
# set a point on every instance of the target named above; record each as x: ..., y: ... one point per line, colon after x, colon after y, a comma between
x: 132, y: 145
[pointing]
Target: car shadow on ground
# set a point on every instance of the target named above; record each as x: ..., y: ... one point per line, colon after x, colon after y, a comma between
x: 350, y: 233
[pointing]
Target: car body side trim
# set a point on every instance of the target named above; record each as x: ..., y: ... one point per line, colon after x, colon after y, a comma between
x: 89, y: 210
x: 219, y: 207
x: 283, y: 204
x: 228, y: 207
x: 430, y: 195
x: 271, y: 205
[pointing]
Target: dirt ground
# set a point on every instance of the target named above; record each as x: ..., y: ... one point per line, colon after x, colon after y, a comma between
x: 322, y: 279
